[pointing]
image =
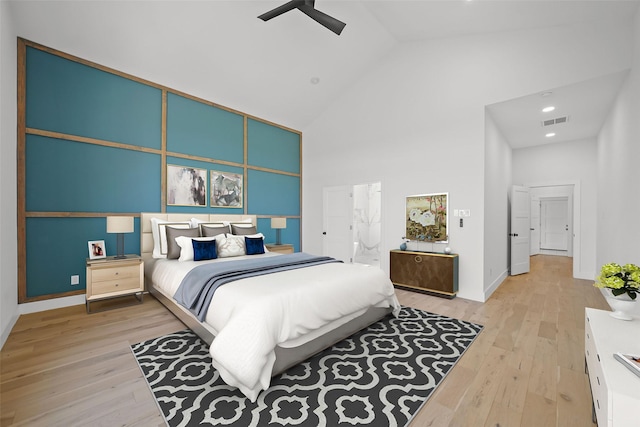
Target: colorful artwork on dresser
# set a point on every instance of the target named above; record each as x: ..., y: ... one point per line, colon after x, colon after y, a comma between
x: 426, y: 217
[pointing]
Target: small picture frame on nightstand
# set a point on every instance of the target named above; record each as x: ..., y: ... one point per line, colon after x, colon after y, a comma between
x: 97, y: 249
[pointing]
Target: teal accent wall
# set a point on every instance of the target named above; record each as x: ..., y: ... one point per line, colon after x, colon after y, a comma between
x: 202, y: 130
x: 273, y: 194
x: 68, y: 176
x: 273, y: 147
x: 68, y: 97
x: 93, y: 147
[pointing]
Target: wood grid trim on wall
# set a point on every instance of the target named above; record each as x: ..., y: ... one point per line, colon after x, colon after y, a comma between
x: 95, y: 142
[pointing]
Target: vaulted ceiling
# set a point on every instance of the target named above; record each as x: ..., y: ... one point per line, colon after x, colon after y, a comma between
x: 290, y: 69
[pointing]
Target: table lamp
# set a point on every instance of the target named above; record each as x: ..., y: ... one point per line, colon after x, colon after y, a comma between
x: 120, y: 225
x: 278, y: 224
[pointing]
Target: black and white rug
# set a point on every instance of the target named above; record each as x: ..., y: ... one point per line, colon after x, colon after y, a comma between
x: 380, y: 376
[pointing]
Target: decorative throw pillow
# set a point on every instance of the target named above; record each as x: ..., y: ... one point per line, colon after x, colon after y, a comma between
x: 231, y: 246
x: 203, y: 250
x: 186, y: 247
x: 173, y: 249
x: 254, y: 245
x: 241, y: 230
x: 208, y: 230
x: 158, y: 231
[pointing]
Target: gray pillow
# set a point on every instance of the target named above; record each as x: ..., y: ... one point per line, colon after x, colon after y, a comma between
x: 173, y: 249
x: 214, y: 230
x: 240, y: 230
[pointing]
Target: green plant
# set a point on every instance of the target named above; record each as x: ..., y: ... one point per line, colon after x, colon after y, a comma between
x: 620, y: 279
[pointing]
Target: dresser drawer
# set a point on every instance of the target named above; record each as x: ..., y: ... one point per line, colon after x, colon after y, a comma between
x: 597, y: 381
x: 115, y: 273
x: 106, y: 287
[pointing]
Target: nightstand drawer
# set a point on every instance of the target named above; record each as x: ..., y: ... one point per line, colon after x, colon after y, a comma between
x: 108, y: 286
x: 117, y: 273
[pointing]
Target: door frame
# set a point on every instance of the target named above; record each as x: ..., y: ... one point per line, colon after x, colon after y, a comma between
x: 576, y: 237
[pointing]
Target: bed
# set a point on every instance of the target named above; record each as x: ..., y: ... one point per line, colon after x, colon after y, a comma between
x: 265, y: 324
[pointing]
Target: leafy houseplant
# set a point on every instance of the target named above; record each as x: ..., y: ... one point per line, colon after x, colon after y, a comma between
x: 620, y: 279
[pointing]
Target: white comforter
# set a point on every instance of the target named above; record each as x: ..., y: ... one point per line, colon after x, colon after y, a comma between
x: 252, y: 316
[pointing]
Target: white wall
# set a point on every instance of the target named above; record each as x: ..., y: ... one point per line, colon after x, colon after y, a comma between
x: 618, y: 207
x: 417, y: 124
x: 560, y: 164
x: 497, y: 180
x: 8, y: 184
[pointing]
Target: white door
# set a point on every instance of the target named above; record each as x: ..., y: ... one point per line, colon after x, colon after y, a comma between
x: 535, y: 226
x: 337, y: 239
x: 519, y: 235
x: 554, y: 222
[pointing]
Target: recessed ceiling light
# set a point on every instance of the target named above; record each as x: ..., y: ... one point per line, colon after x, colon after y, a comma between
x: 548, y: 109
x: 315, y: 80
x: 550, y: 134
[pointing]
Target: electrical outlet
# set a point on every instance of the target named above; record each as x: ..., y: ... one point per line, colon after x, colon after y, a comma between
x: 75, y: 279
x: 461, y: 222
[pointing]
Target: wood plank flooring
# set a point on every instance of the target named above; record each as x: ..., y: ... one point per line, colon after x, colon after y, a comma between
x: 66, y: 368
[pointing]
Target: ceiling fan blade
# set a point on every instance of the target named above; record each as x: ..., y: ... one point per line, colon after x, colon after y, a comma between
x: 322, y: 18
x: 293, y: 4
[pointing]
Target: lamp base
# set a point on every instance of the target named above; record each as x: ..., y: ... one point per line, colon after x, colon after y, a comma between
x: 278, y: 242
x: 120, y: 242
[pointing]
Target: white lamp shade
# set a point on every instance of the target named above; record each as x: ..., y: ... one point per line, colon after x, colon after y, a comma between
x: 278, y: 222
x: 119, y: 224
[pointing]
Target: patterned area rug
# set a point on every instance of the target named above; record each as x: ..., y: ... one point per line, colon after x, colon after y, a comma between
x: 380, y: 376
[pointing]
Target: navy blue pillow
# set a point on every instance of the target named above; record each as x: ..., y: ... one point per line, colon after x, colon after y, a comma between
x: 254, y: 245
x: 204, y: 250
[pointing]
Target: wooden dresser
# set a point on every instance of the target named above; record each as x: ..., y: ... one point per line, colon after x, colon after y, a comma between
x: 615, y: 389
x: 433, y: 273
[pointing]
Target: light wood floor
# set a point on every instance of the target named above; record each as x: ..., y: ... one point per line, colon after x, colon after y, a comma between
x: 66, y: 368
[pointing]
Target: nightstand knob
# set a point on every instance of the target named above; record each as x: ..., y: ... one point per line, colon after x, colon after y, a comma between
x: 418, y: 259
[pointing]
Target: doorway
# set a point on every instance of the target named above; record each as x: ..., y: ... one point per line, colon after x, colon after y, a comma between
x: 553, y: 219
x: 352, y: 223
x: 554, y: 225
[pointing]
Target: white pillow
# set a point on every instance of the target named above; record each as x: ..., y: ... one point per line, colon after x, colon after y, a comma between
x: 159, y: 233
x: 230, y: 246
x: 251, y: 235
x: 186, y: 247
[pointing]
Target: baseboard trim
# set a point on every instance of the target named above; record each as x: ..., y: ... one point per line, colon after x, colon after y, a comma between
x: 495, y: 284
x: 50, y: 304
x: 7, y: 331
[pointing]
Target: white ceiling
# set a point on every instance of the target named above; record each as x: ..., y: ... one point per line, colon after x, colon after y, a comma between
x: 220, y: 51
x: 584, y: 104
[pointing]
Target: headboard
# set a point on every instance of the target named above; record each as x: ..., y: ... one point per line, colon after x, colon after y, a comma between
x: 146, y: 236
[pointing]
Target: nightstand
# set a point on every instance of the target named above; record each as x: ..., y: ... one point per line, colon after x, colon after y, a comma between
x: 281, y: 249
x: 111, y: 278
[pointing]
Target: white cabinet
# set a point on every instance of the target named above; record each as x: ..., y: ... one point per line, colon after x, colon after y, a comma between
x: 615, y: 389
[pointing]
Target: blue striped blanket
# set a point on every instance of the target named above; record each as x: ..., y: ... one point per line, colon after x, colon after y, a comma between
x: 198, y: 286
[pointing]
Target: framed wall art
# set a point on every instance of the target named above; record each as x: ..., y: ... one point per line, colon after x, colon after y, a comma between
x: 226, y: 189
x: 427, y: 218
x: 97, y: 249
x: 186, y: 186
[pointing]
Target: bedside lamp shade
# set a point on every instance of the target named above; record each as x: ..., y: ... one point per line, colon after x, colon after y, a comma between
x: 278, y: 224
x: 120, y: 225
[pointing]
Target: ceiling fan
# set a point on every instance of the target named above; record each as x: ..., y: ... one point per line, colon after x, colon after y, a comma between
x: 306, y: 7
